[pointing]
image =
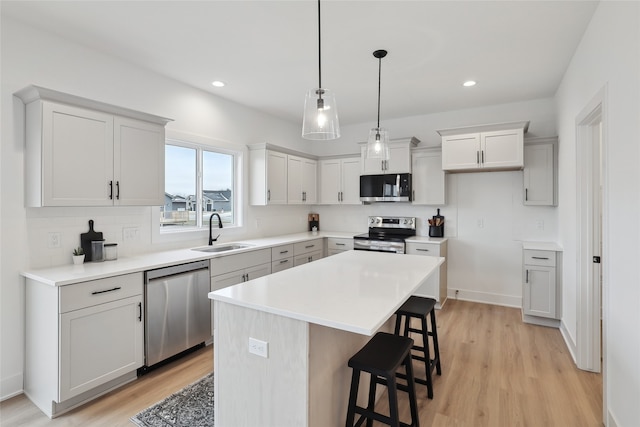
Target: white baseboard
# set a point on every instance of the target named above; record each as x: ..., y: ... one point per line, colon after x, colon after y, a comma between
x: 11, y: 386
x: 611, y: 420
x: 485, y: 297
x: 569, y: 341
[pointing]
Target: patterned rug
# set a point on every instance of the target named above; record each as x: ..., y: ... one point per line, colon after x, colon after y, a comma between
x: 190, y: 407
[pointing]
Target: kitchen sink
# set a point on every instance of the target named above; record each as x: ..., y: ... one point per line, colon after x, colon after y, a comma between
x: 223, y: 248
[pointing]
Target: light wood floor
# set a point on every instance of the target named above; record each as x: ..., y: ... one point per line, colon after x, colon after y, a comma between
x: 497, y: 372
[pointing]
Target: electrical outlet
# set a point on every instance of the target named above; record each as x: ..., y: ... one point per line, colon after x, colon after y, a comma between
x: 259, y: 348
x: 540, y: 224
x: 55, y: 240
x: 480, y: 223
x: 130, y: 233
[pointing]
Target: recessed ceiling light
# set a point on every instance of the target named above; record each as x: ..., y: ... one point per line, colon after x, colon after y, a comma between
x: 218, y: 83
x: 469, y: 83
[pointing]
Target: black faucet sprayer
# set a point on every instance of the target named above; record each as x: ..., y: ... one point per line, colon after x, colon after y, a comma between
x: 211, y: 239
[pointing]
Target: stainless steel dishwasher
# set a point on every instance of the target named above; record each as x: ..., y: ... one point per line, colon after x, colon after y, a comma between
x: 177, y: 308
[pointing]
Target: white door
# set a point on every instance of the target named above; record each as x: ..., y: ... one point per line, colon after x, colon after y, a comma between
x: 310, y: 180
x: 350, y: 180
x: 330, y: 182
x: 139, y: 163
x: 294, y: 180
x: 461, y: 152
x: 99, y: 344
x: 540, y: 291
x: 257, y: 271
x: 428, y: 179
x: 538, y: 175
x: 77, y: 156
x: 276, y: 178
x: 501, y: 149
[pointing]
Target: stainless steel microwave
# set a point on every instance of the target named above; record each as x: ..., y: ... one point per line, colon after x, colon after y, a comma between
x: 385, y: 188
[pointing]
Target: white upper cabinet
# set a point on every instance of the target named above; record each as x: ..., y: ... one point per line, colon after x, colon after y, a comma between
x: 428, y: 178
x: 539, y: 174
x: 340, y: 181
x: 301, y: 180
x: 84, y: 153
x: 399, y: 158
x: 279, y: 178
x: 486, y: 147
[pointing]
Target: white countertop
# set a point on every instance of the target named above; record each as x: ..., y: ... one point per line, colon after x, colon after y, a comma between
x: 541, y: 246
x: 426, y: 239
x: 69, y: 274
x: 355, y: 291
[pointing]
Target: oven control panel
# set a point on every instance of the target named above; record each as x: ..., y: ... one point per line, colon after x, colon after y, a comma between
x: 392, y: 222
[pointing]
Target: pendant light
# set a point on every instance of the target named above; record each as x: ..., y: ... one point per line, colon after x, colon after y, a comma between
x: 320, y: 120
x: 378, y: 142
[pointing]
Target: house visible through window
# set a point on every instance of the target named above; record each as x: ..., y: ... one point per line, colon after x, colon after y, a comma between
x: 199, y: 181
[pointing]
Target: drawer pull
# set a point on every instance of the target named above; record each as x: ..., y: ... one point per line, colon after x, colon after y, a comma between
x: 526, y: 280
x: 284, y: 252
x: 539, y: 257
x: 140, y: 311
x: 340, y: 244
x: 309, y: 246
x: 422, y: 250
x: 284, y: 261
x: 117, y: 288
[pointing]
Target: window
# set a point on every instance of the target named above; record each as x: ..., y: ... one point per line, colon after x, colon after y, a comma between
x: 200, y: 180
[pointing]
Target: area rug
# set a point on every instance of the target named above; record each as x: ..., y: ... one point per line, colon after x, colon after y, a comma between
x: 190, y: 407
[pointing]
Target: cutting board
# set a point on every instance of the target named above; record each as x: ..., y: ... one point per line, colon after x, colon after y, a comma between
x: 86, y: 238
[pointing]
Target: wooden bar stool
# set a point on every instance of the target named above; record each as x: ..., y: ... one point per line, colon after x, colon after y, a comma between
x: 381, y: 357
x: 420, y: 308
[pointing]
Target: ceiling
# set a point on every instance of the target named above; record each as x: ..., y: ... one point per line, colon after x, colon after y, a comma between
x: 267, y: 51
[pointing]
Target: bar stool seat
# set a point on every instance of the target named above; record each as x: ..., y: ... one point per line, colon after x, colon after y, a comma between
x: 381, y: 357
x: 420, y: 308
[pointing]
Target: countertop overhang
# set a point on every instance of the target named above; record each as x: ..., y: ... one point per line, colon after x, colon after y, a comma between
x: 354, y: 291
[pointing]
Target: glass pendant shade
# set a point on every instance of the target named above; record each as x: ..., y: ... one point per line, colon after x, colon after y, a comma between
x: 320, y: 120
x: 378, y: 144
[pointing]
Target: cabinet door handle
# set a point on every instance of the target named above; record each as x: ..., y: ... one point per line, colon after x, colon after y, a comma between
x: 422, y: 250
x: 310, y: 259
x: 304, y: 196
x: 284, y: 261
x: 140, y: 311
x: 309, y: 246
x: 477, y: 157
x: 482, y: 156
x: 539, y: 257
x: 340, y: 244
x: 284, y: 252
x: 268, y: 195
x: 526, y: 194
x: 110, y: 190
x: 526, y: 280
x: 106, y: 290
x: 117, y: 190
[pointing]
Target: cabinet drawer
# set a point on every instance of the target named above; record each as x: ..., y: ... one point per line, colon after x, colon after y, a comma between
x: 229, y: 263
x: 281, y: 252
x: 308, y: 246
x: 94, y: 292
x: 339, y: 244
x: 427, y: 249
x: 543, y: 258
x: 281, y: 264
x: 306, y: 258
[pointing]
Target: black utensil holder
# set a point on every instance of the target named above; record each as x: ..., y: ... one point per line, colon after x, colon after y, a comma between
x: 436, y: 230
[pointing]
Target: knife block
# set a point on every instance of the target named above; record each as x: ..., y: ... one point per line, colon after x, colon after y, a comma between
x: 436, y: 230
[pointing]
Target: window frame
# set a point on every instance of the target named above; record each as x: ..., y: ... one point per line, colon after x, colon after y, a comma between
x: 200, y: 144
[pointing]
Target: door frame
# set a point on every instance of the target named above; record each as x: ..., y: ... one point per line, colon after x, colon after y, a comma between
x: 591, y: 232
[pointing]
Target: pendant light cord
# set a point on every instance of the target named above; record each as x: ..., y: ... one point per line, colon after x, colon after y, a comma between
x: 319, y: 53
x: 379, y: 86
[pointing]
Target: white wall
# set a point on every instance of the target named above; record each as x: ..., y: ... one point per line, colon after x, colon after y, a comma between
x: 32, y: 57
x: 608, y: 56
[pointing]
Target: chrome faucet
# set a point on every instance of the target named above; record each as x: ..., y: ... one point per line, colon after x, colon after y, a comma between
x: 211, y: 239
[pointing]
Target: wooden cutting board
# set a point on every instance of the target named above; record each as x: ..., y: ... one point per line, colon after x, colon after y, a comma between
x: 86, y: 238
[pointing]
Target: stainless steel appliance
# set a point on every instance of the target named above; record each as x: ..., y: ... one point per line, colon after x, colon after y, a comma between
x: 385, y: 188
x: 178, y: 311
x: 386, y: 234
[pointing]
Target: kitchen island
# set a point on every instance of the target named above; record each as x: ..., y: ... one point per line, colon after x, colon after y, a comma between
x: 282, y: 342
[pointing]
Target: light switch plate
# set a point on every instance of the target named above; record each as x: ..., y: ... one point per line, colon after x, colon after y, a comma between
x: 259, y: 348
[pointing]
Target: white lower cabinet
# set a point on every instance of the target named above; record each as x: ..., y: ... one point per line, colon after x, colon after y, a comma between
x: 541, y: 291
x: 436, y: 286
x: 281, y: 258
x: 336, y: 245
x: 82, y: 339
x: 308, y: 251
x: 233, y: 269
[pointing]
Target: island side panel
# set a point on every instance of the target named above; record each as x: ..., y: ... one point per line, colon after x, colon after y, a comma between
x: 330, y: 377
x: 251, y: 390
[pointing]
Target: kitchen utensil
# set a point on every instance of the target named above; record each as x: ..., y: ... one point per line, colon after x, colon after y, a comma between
x: 110, y: 251
x: 97, y: 250
x: 87, y: 238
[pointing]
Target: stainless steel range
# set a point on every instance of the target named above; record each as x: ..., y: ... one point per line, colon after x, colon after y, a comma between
x: 386, y: 234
